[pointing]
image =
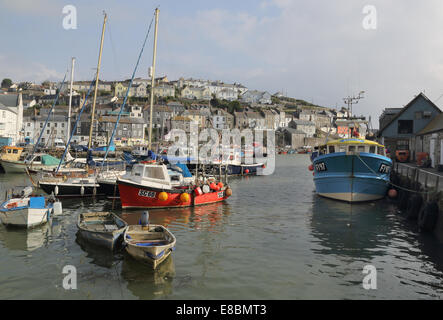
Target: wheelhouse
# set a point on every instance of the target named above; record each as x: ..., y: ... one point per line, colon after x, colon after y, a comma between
x: 352, y: 146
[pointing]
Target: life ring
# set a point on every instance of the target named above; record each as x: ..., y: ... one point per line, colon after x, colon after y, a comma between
x: 428, y: 216
x: 413, y: 208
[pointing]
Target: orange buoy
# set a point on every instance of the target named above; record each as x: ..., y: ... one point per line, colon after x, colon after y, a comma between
x: 184, y: 197
x: 220, y: 185
x: 228, y: 192
x: 217, y: 187
x: 212, y: 186
x: 247, y: 171
x: 311, y: 168
x: 163, y: 196
x: 392, y: 193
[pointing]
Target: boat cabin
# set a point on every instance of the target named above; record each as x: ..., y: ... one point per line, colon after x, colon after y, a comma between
x: 352, y: 146
x: 11, y: 153
x: 153, y: 175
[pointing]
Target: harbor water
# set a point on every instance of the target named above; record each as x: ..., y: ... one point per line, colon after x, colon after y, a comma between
x: 274, y: 238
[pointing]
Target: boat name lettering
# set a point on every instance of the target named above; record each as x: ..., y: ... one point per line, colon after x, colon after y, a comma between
x: 145, y: 193
x: 385, y: 169
x: 221, y: 194
x: 321, y: 166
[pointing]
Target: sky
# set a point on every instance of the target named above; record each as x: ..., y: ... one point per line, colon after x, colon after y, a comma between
x: 316, y: 50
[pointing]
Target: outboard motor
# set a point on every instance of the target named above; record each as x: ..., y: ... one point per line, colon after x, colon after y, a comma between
x: 26, y: 192
x: 144, y: 220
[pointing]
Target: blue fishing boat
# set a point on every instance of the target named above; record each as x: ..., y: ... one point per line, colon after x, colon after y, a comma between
x: 352, y: 170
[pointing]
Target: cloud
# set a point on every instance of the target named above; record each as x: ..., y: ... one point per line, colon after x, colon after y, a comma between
x: 32, y: 7
x: 19, y: 70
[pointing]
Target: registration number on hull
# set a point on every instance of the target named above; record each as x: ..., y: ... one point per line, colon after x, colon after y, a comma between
x: 147, y: 194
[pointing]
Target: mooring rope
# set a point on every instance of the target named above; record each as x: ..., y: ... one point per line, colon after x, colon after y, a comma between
x: 391, y: 183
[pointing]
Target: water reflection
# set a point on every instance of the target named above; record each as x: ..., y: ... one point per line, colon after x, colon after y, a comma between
x: 146, y: 283
x: 351, y: 230
x: 98, y: 255
x: 19, y: 239
x: 207, y: 217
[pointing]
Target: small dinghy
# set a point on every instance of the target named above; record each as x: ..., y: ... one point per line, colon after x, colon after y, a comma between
x: 101, y: 228
x: 28, y: 211
x: 149, y: 243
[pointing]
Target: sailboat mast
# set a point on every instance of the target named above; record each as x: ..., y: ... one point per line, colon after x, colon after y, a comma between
x: 96, y: 81
x: 157, y: 11
x: 70, y: 100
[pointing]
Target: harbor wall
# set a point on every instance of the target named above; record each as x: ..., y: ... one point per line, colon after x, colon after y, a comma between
x: 420, y: 190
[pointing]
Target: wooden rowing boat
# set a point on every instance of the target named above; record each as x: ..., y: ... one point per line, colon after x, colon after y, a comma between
x: 101, y: 228
x: 151, y: 244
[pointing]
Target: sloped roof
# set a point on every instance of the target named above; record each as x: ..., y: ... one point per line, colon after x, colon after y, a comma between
x: 435, y: 125
x: 8, y: 100
x: 421, y: 94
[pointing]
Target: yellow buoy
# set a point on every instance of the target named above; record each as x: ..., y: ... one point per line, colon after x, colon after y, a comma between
x: 163, y: 196
x: 184, y: 197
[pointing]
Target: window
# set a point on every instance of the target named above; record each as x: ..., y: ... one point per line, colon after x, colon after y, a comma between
x: 418, y: 115
x: 55, y: 124
x: 361, y: 148
x: 331, y: 149
x: 15, y: 151
x: 372, y: 149
x: 405, y: 126
x: 41, y: 125
x: 47, y: 131
x: 63, y: 125
x: 380, y: 151
x: 28, y: 124
x: 351, y: 148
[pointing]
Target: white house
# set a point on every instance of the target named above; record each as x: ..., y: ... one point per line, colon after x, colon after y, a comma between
x: 11, y: 116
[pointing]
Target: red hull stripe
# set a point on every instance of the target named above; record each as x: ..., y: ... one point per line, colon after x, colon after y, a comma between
x: 133, y: 196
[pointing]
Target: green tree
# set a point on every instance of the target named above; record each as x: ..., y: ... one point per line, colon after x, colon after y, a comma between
x: 6, y: 83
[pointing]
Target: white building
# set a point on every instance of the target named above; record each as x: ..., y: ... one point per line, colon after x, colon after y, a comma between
x: 11, y: 116
x: 56, y: 128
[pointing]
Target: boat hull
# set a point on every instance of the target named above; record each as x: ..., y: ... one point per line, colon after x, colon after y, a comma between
x: 151, y: 254
x: 241, y: 169
x: 20, y: 167
x: 352, y: 178
x: 102, y: 239
x: 25, y: 218
x: 70, y: 190
x: 108, y: 188
x: 138, y: 196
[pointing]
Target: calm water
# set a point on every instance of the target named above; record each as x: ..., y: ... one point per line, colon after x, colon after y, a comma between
x: 273, y: 239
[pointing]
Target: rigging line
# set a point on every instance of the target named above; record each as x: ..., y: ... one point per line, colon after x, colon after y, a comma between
x: 76, y: 122
x: 49, y: 114
x: 127, y: 92
x: 391, y: 183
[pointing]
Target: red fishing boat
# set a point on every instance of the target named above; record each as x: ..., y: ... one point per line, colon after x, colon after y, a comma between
x: 150, y: 186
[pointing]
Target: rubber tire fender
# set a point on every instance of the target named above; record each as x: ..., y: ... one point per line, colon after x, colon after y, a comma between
x: 428, y: 216
x: 414, y: 205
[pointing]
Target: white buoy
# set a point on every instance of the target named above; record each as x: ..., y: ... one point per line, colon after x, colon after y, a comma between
x: 82, y: 190
x: 56, y: 190
x: 57, y: 208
